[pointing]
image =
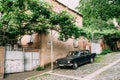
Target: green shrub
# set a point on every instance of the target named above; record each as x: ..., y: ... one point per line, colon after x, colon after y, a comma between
x: 99, y: 58
x: 39, y: 68
x: 106, y: 51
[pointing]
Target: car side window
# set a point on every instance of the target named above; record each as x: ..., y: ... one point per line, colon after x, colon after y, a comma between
x: 82, y: 53
x: 86, y: 52
x: 79, y: 53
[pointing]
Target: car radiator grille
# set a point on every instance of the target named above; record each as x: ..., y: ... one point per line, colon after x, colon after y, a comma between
x: 62, y: 62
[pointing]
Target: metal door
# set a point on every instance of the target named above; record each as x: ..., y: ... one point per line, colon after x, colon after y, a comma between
x: 17, y: 60
x: 14, y: 61
x: 32, y: 60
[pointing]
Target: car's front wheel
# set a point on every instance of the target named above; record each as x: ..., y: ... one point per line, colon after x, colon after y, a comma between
x: 61, y: 67
x: 75, y: 65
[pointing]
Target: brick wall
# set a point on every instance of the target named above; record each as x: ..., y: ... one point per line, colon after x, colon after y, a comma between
x: 58, y: 7
x: 60, y: 48
x: 1, y: 62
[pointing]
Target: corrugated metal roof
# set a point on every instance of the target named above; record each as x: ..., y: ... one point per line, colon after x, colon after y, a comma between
x: 70, y: 3
x: 69, y: 7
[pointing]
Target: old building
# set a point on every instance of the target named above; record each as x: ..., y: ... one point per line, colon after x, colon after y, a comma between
x: 60, y: 48
x: 37, y: 47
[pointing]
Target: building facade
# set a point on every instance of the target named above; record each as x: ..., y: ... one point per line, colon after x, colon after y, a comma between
x: 60, y: 48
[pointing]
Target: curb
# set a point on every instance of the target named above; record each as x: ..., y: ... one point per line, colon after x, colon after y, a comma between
x: 38, y: 75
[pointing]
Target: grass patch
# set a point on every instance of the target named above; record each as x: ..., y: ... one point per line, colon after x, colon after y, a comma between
x: 106, y: 51
x: 99, y: 58
x: 43, y: 75
x: 40, y: 68
x: 46, y: 74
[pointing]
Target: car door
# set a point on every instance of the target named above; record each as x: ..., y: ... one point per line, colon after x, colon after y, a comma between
x: 82, y: 58
x: 77, y: 57
x: 87, y: 56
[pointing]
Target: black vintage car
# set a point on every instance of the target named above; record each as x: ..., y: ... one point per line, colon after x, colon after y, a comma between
x: 75, y: 58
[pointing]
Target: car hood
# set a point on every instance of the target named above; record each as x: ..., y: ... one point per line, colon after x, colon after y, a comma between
x: 67, y: 58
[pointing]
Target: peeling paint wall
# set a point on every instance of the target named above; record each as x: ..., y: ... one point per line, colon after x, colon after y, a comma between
x: 60, y: 48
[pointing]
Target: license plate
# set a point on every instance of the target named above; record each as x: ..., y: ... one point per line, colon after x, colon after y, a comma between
x: 61, y: 65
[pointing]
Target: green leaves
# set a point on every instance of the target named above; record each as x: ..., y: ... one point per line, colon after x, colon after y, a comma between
x: 63, y: 18
x: 21, y: 17
x: 103, y: 9
x: 98, y: 15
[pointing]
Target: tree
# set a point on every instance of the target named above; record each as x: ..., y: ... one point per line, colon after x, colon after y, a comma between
x: 99, y: 14
x: 104, y: 9
x: 21, y: 17
x: 98, y: 18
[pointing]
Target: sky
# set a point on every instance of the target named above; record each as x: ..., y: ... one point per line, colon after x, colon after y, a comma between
x: 70, y: 3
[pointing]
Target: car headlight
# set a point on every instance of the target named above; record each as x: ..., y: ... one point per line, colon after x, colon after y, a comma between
x: 68, y: 61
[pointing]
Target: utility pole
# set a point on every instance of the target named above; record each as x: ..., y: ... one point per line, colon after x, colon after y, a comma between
x: 51, y: 41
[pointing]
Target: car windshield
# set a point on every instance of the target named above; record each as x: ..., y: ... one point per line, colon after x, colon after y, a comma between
x: 74, y: 53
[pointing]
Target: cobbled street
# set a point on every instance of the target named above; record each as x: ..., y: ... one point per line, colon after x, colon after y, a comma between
x: 112, y: 73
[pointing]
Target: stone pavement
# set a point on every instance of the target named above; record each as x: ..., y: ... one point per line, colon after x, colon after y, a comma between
x: 107, y: 69
x: 112, y: 73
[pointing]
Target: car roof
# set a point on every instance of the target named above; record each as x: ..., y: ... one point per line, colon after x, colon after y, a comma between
x: 78, y: 50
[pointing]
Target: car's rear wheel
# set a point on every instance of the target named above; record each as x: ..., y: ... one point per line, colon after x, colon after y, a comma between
x: 91, y: 60
x: 75, y: 65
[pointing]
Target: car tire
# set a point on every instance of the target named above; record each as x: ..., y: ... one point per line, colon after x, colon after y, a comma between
x: 61, y: 67
x: 91, y: 60
x: 75, y: 65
